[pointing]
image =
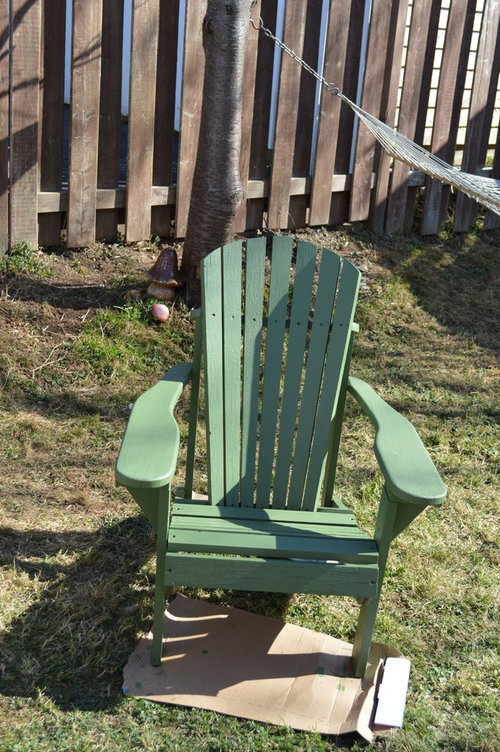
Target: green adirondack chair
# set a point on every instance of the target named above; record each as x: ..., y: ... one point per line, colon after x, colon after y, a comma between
x: 275, y: 337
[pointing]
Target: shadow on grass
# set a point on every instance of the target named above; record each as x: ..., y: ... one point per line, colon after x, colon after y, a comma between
x: 112, y: 402
x: 59, y: 295
x: 456, y: 280
x: 72, y: 641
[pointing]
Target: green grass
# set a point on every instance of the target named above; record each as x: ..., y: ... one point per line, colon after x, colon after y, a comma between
x: 23, y: 259
x: 76, y: 559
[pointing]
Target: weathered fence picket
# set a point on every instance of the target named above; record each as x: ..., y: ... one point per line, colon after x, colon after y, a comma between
x: 51, y: 115
x: 337, y: 41
x: 86, y: 170
x: 383, y: 162
x: 448, y: 102
x: 423, y: 31
x: 84, y: 122
x: 24, y: 117
x: 164, y: 138
x: 286, y: 117
x: 379, y: 47
x: 110, y: 111
x: 4, y: 126
x: 141, y: 121
x: 481, y: 108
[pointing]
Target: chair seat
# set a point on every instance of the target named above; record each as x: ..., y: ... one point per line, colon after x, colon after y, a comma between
x: 269, y: 550
x: 283, y: 534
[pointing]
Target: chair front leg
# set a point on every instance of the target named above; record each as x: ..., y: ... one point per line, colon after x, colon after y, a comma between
x: 161, y: 552
x: 364, y: 631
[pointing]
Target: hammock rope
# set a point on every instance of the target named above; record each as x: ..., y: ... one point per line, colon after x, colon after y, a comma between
x: 485, y: 191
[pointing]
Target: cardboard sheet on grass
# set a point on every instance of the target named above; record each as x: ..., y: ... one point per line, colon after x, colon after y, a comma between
x: 256, y: 667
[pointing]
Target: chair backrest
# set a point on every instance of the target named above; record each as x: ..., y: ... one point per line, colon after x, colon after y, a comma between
x: 277, y: 332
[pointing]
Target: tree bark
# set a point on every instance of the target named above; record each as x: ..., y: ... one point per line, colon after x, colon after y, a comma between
x: 217, y: 191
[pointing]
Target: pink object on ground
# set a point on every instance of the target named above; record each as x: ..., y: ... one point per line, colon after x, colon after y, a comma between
x: 160, y: 312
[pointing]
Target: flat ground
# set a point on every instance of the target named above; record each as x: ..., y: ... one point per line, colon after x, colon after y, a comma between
x: 77, y: 348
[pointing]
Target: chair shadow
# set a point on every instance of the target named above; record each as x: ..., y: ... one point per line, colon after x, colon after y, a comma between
x: 274, y: 605
x: 72, y: 641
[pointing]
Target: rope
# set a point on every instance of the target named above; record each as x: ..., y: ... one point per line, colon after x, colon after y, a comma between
x: 485, y: 191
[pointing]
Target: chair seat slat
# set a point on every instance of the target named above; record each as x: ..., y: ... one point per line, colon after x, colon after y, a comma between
x: 281, y: 546
x: 272, y: 575
x: 257, y: 527
x: 326, y: 516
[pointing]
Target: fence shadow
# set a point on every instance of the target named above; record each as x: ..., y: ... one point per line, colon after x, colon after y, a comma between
x: 456, y: 280
x: 60, y: 295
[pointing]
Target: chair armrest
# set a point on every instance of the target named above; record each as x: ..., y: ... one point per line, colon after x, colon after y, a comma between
x: 148, y: 453
x: 409, y: 472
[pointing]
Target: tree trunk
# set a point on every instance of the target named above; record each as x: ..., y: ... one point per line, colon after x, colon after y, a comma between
x: 217, y: 190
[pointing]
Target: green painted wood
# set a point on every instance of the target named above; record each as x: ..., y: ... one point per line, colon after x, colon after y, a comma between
x: 250, y: 546
x: 254, y: 301
x: 364, y: 631
x: 333, y: 516
x: 408, y: 470
x: 405, y: 514
x: 231, y: 307
x: 336, y: 429
x: 161, y: 550
x: 181, y: 498
x: 327, y: 284
x: 193, y: 411
x: 268, y: 575
x: 147, y: 499
x: 211, y: 284
x: 271, y: 544
x: 301, y: 305
x: 340, y: 338
x: 260, y: 527
x: 278, y: 300
x: 336, y: 503
x: 148, y: 454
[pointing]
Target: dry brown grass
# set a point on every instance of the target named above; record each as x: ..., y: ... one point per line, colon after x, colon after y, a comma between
x: 76, y: 569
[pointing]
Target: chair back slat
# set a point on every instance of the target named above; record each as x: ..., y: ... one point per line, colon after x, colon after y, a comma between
x: 325, y: 296
x: 212, y: 324
x: 252, y: 341
x: 277, y: 313
x: 338, y: 346
x: 274, y: 363
x: 297, y: 335
x: 231, y: 296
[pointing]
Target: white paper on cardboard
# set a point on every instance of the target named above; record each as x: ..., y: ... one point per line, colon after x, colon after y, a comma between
x: 392, y: 692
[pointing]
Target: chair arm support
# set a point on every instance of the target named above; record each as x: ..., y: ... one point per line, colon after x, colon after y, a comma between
x: 409, y: 472
x: 148, y: 454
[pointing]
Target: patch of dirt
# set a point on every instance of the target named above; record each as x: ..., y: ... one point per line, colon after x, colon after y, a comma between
x: 76, y: 283
x: 82, y: 279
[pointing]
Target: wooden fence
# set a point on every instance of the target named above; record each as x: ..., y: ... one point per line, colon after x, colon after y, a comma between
x: 85, y: 171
